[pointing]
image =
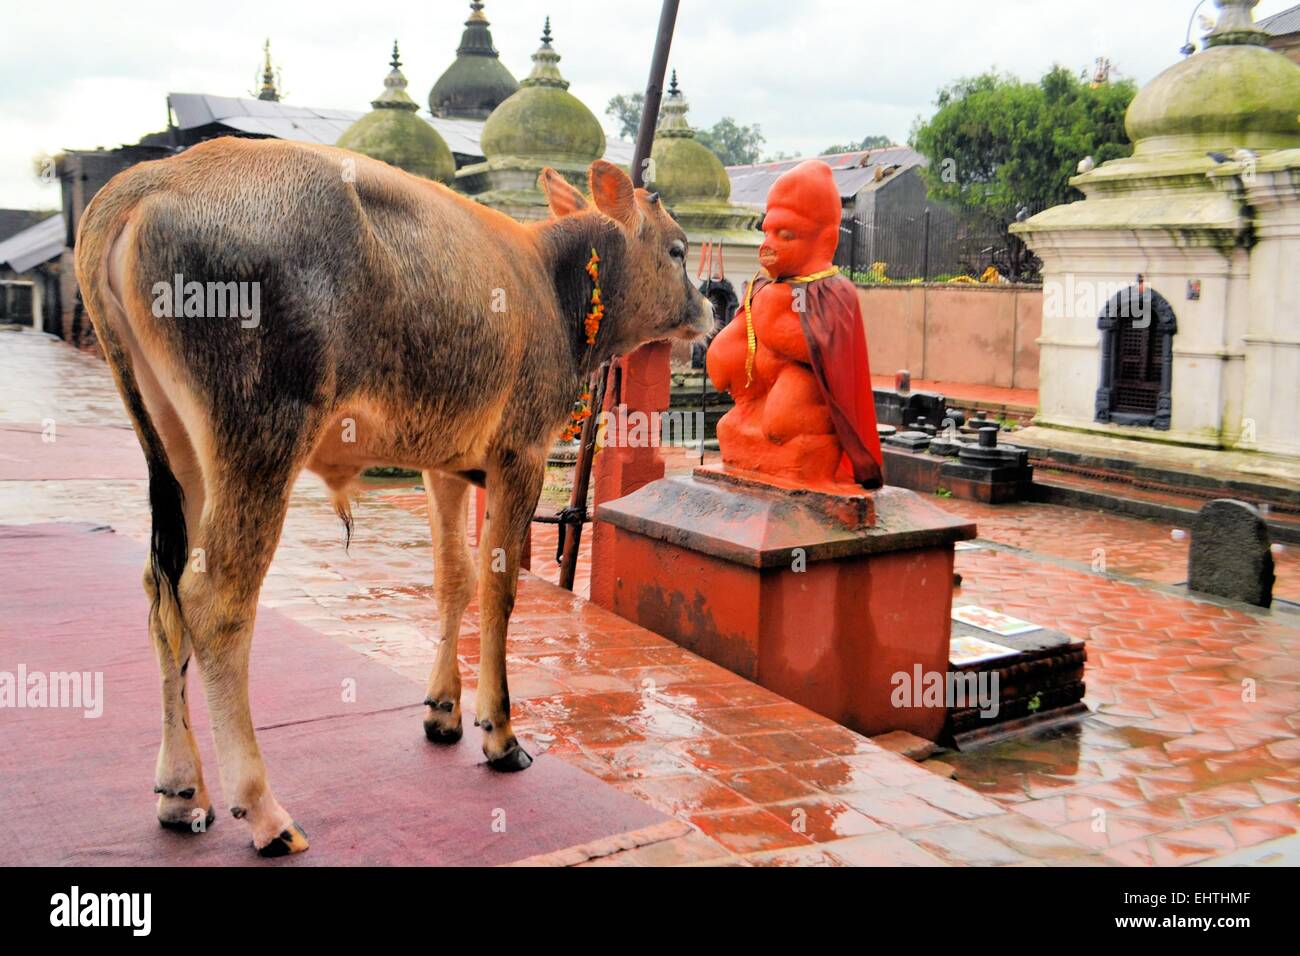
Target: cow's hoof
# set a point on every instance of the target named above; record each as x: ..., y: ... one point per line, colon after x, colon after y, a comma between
x: 442, y: 735
x: 186, y: 811
x: 513, y: 760
x: 287, y: 841
x: 186, y: 822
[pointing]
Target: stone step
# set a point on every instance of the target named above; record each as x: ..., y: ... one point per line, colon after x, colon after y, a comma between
x: 1157, y: 501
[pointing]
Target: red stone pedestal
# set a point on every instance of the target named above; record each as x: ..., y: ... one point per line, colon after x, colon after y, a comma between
x: 820, y: 597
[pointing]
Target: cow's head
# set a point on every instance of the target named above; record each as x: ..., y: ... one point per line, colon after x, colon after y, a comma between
x: 650, y: 295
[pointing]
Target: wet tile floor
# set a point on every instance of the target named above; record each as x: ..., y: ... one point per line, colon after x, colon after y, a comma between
x: 1191, y: 753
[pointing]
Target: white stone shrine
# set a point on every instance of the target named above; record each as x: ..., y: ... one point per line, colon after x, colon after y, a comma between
x: 1171, y: 307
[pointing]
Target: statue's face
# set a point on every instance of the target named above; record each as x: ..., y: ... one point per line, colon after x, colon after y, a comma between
x: 790, y: 247
x: 802, y: 224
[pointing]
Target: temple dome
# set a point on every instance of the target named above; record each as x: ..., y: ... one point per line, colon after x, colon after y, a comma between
x: 477, y: 82
x: 543, y: 120
x: 393, y: 133
x: 685, y: 170
x: 1235, y: 93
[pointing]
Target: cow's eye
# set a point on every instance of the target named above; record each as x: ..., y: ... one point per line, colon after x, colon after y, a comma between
x: 677, y: 250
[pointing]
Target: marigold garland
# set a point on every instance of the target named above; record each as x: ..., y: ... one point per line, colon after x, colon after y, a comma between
x: 597, y: 311
x: 582, y: 407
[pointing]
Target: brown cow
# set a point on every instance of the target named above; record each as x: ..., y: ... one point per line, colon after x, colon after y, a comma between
x: 393, y: 322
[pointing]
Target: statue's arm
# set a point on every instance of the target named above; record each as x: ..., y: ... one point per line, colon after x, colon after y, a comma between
x: 720, y: 360
x: 783, y: 334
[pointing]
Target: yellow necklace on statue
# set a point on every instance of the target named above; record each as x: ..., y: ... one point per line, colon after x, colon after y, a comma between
x: 751, y: 341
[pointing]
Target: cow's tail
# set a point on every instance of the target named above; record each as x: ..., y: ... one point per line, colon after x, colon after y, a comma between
x: 101, y: 224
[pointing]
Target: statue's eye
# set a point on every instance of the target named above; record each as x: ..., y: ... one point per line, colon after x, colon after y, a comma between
x: 677, y: 250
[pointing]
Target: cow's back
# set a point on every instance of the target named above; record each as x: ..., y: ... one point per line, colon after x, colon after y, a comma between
x: 367, y: 281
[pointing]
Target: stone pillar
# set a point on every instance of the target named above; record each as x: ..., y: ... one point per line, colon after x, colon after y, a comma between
x: 642, y: 381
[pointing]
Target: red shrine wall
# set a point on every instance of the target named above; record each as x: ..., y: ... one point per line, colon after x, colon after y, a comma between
x: 974, y: 335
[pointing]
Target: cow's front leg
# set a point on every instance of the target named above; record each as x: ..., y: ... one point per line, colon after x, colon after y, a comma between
x: 513, y: 489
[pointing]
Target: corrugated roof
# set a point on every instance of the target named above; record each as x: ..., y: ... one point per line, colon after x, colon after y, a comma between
x: 313, y: 125
x: 34, y: 245
x: 1288, y: 21
x: 14, y: 221
x: 853, y: 172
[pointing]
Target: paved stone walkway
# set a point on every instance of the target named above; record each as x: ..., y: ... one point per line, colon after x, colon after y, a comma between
x: 1179, y: 764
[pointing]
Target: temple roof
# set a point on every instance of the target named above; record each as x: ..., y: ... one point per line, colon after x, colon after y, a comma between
x: 685, y: 170
x: 543, y: 120
x: 393, y: 133
x: 1235, y: 93
x: 477, y: 82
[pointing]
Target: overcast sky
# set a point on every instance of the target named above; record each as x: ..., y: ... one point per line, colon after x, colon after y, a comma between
x: 87, y: 73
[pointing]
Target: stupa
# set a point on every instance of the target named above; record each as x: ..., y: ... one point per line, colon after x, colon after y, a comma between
x: 693, y: 182
x: 543, y: 124
x: 477, y: 82
x: 394, y: 133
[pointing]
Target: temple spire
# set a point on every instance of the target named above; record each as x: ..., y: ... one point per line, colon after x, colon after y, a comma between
x: 395, y: 96
x: 546, y: 69
x: 672, y: 114
x: 269, y: 90
x: 1236, y: 25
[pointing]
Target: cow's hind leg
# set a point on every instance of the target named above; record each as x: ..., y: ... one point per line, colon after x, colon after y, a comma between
x: 513, y: 485
x: 453, y: 579
x: 239, y: 531
x: 183, y: 801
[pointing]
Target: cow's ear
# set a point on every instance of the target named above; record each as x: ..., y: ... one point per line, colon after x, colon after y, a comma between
x: 613, y: 193
x: 563, y: 199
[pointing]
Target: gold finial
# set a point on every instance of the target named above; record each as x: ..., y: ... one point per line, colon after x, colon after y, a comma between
x: 270, y: 80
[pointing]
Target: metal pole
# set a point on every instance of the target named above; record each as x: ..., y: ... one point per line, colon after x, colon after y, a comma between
x: 572, y: 518
x: 576, y: 513
x: 854, y: 227
x: 925, y: 266
x: 654, y: 91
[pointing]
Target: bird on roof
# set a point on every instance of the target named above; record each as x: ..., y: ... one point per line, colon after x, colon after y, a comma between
x: 1087, y: 165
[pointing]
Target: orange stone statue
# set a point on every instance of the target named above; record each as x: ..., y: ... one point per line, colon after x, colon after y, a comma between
x: 795, y: 357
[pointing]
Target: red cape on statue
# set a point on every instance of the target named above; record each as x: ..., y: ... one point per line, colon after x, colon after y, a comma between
x: 837, y: 348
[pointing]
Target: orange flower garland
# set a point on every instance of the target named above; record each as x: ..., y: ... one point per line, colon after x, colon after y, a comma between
x: 597, y: 307
x: 582, y: 407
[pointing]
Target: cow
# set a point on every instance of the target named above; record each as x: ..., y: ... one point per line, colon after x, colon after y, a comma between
x: 397, y: 322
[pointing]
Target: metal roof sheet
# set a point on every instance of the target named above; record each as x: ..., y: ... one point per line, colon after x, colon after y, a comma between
x: 306, y: 124
x: 853, y: 172
x: 34, y: 245
x: 1288, y: 21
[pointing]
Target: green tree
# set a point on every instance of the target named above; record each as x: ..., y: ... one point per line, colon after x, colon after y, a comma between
x: 734, y: 144
x: 867, y: 142
x: 997, y: 144
x: 625, y: 109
